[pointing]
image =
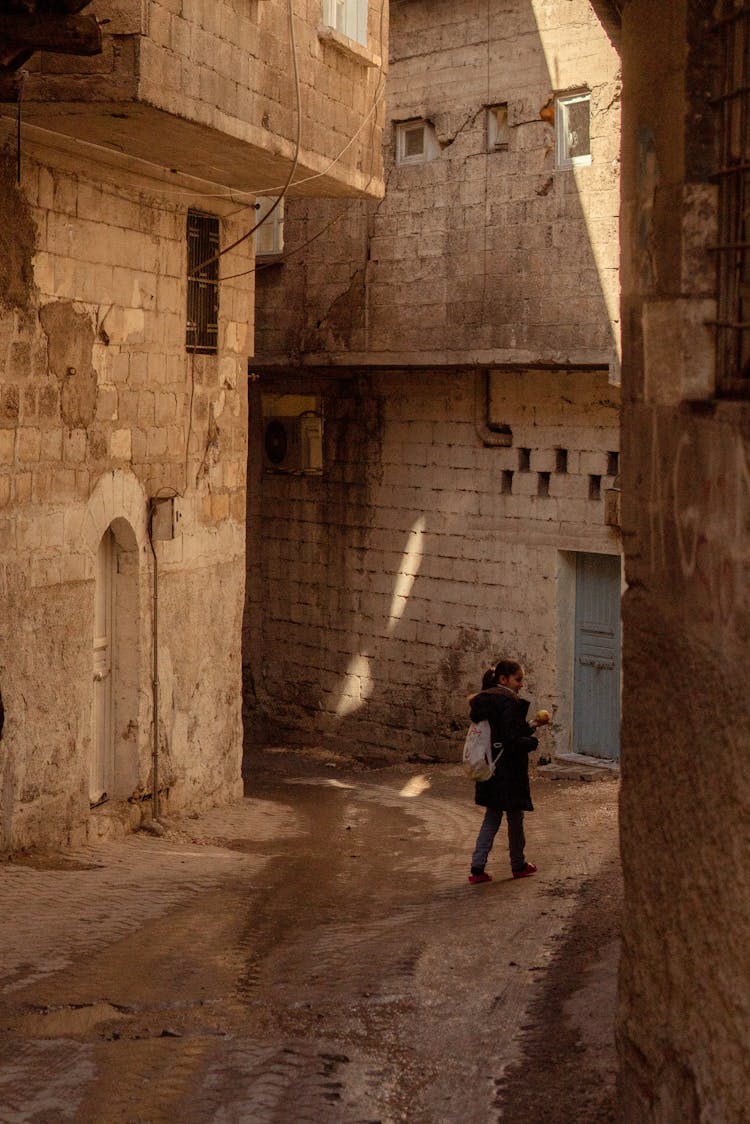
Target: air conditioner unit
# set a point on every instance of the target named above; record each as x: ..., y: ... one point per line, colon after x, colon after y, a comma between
x: 293, y: 444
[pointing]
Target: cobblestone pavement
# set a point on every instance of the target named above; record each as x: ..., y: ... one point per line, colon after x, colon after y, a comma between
x: 316, y: 954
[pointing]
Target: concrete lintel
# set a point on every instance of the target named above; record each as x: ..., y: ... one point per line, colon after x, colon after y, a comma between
x: 428, y: 361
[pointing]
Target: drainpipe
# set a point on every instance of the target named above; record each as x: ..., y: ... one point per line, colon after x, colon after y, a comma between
x: 155, y: 667
x: 489, y: 433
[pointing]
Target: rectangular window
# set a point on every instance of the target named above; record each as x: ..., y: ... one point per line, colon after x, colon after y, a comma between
x: 524, y: 460
x: 561, y: 460
x: 506, y: 484
x: 202, y: 332
x: 269, y: 238
x: 595, y: 487
x: 497, y: 128
x: 349, y: 17
x: 542, y: 487
x: 416, y: 142
x: 573, y: 129
x: 613, y: 464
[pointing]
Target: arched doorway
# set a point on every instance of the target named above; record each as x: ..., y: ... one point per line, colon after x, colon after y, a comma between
x: 115, y: 659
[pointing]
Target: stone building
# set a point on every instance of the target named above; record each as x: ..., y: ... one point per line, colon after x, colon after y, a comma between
x: 434, y: 412
x: 684, y: 1022
x: 129, y: 171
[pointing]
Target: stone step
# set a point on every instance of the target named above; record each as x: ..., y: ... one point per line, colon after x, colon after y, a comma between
x: 578, y: 766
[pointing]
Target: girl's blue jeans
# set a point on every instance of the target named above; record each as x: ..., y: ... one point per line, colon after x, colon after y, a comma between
x: 493, y: 817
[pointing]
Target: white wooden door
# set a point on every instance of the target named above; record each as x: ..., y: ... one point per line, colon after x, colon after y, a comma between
x: 102, y: 758
x: 596, y: 709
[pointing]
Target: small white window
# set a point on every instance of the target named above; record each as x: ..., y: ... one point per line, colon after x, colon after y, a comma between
x: 348, y: 17
x: 416, y: 142
x: 497, y: 127
x: 269, y: 237
x: 573, y: 129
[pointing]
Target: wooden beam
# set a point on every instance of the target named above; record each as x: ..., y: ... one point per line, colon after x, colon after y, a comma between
x: 67, y: 35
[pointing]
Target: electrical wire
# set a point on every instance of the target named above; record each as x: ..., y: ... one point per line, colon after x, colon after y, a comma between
x: 233, y: 194
x: 243, y: 238
x: 379, y: 96
x: 316, y: 175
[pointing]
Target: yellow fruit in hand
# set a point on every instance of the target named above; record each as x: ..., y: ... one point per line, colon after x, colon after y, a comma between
x: 542, y: 715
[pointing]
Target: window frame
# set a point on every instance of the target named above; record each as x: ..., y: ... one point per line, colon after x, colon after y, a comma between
x: 269, y: 237
x: 203, y: 241
x: 498, y: 134
x: 562, y: 104
x: 430, y: 147
x: 353, y: 21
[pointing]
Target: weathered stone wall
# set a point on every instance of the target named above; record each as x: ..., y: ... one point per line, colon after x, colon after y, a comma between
x: 101, y: 408
x: 379, y: 591
x: 475, y: 255
x: 220, y: 76
x: 684, y: 1010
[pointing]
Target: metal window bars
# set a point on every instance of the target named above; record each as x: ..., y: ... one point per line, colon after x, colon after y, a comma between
x: 202, y: 332
x: 733, y: 249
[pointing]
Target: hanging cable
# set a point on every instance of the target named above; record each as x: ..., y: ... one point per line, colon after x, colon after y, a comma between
x: 243, y: 238
x: 379, y: 95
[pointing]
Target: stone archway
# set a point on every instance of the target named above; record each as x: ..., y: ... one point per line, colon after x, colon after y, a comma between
x: 115, y: 538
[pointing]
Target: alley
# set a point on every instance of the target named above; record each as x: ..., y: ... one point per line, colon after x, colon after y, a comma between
x: 316, y: 953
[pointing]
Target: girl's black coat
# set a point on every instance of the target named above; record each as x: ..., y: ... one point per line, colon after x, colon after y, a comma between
x: 508, y: 790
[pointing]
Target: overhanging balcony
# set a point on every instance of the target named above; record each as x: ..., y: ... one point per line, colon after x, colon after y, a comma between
x: 210, y: 93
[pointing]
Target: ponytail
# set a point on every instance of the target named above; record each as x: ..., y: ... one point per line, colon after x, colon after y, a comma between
x: 506, y: 668
x: 488, y: 679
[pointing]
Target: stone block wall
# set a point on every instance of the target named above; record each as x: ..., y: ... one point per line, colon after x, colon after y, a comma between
x: 683, y: 1012
x: 223, y: 71
x: 378, y: 591
x: 101, y: 409
x: 476, y: 254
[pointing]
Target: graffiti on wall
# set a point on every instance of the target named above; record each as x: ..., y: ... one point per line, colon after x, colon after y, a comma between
x: 698, y: 517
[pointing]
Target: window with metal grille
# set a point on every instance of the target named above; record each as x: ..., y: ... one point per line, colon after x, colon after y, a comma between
x: 733, y: 319
x: 203, y: 282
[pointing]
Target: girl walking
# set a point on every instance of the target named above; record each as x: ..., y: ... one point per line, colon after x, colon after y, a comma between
x: 508, y: 789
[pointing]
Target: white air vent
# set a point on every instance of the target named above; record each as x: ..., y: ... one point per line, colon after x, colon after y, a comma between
x: 293, y: 444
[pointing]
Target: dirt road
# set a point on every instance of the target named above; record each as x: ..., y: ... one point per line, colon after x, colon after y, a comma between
x: 316, y: 953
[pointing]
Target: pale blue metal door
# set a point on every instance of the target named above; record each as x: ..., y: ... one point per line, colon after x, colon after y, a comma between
x: 596, y: 690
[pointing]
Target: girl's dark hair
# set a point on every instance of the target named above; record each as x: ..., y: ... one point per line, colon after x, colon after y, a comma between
x: 491, y: 677
x: 488, y: 679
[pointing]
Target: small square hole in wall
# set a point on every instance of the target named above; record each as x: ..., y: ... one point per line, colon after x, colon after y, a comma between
x: 524, y: 460
x: 542, y: 487
x: 497, y: 127
x: 506, y: 483
x: 595, y: 487
x: 561, y: 460
x: 613, y: 464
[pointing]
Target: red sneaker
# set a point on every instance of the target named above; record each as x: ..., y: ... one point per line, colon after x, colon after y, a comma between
x: 525, y: 871
x: 483, y: 877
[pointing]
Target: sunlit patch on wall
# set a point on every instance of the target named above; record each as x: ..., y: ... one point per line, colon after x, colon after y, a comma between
x: 406, y: 576
x: 357, y: 687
